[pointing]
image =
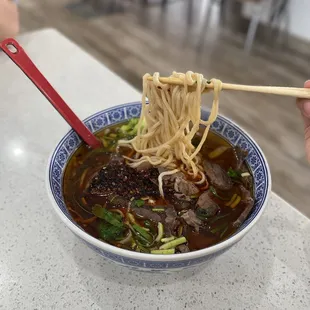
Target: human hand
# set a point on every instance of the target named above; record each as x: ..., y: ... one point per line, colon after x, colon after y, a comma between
x: 9, y: 19
x: 304, y: 106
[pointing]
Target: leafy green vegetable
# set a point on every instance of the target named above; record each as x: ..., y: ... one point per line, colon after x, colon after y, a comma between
x: 218, y: 217
x: 219, y: 228
x: 110, y: 232
x: 213, y: 191
x: 137, y: 203
x: 234, y: 174
x: 112, y: 218
x: 223, y: 232
x: 141, y: 248
x: 142, y: 232
x: 150, y: 226
x: 142, y: 236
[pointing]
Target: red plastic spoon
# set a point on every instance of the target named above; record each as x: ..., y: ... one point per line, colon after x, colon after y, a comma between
x: 21, y: 59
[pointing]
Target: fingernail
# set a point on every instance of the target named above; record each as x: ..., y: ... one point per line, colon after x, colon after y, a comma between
x: 307, y: 84
x: 306, y: 108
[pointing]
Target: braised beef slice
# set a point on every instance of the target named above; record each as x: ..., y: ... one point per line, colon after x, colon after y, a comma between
x: 217, y: 176
x: 180, y: 184
x: 185, y: 187
x: 171, y: 221
x: 192, y: 220
x: 183, y: 248
x: 146, y: 214
x: 248, y: 202
x: 181, y: 201
x: 206, y: 203
x: 120, y: 179
x: 182, y: 197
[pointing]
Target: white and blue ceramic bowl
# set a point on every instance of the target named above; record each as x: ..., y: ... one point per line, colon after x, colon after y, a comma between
x: 150, y: 262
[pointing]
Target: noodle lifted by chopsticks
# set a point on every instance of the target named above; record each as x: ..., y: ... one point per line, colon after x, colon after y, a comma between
x: 169, y: 122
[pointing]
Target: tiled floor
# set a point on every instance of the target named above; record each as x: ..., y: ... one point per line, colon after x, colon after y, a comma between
x: 181, y: 37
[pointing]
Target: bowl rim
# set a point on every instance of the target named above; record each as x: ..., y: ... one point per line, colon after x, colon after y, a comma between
x: 157, y: 257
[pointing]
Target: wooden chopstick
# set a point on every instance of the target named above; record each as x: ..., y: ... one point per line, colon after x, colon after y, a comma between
x: 274, y: 90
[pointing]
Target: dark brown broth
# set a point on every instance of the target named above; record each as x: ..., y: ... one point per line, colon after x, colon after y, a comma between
x: 85, y: 163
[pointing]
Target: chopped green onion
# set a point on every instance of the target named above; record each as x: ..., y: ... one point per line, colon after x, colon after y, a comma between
x: 218, y: 151
x: 234, y: 174
x: 173, y: 243
x: 231, y: 200
x: 165, y: 240
x: 125, y: 128
x: 213, y: 191
x: 104, y: 142
x: 218, y: 217
x: 236, y: 202
x: 131, y: 127
x: 160, y: 234
x: 180, y: 230
x: 223, y: 232
x: 83, y: 177
x: 158, y: 210
x: 170, y: 251
x: 131, y: 218
x: 219, y: 228
x: 194, y: 196
x: 245, y: 174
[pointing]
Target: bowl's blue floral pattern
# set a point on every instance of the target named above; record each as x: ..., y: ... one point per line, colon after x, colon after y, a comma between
x: 224, y: 127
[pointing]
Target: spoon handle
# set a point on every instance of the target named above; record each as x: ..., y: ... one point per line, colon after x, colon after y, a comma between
x: 21, y: 59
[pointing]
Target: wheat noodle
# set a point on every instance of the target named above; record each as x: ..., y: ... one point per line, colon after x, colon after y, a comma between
x: 171, y: 119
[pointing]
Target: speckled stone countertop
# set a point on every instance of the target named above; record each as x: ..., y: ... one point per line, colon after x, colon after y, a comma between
x: 42, y: 264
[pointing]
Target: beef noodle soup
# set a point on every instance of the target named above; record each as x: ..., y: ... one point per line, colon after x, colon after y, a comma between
x: 123, y: 205
x: 163, y: 183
